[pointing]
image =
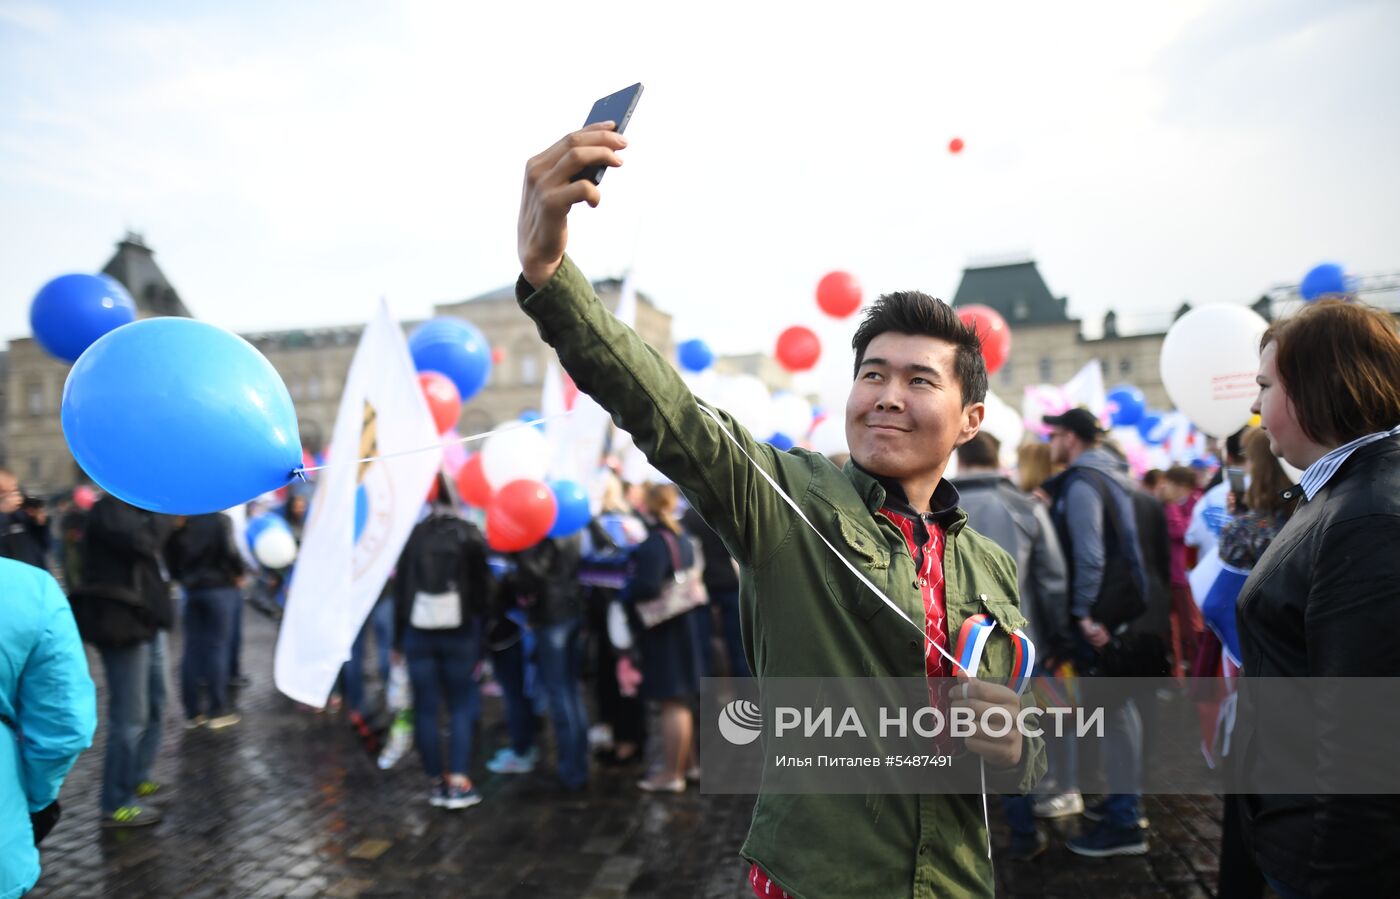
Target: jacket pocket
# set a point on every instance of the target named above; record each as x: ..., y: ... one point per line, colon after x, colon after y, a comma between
x: 1006, y: 613
x: 864, y: 551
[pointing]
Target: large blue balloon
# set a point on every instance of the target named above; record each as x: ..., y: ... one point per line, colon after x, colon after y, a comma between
x: 695, y: 355
x: 1131, y: 405
x: 260, y: 523
x: 1324, y: 279
x: 455, y: 348
x: 72, y: 311
x: 571, y: 501
x: 181, y: 417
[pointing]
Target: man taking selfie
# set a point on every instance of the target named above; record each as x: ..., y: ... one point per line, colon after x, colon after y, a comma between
x: 918, y: 393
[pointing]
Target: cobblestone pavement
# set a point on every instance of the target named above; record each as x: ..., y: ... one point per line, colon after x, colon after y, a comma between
x: 288, y: 804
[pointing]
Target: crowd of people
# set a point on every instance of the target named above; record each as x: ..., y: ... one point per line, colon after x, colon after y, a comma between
x: 673, y: 582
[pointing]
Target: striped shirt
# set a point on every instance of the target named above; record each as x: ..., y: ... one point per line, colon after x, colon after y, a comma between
x: 1321, y: 471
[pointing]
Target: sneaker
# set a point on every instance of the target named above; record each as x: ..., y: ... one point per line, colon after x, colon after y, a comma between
x: 196, y: 722
x: 460, y: 797
x: 1060, y: 805
x: 147, y: 788
x: 239, y: 681
x: 1098, y: 813
x: 229, y: 719
x: 692, y: 774
x: 1105, y: 840
x: 131, y: 816
x: 1026, y: 846
x: 508, y: 762
x: 657, y: 785
x: 438, y: 797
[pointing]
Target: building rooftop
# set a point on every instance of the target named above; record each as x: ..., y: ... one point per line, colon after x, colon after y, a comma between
x: 1014, y: 289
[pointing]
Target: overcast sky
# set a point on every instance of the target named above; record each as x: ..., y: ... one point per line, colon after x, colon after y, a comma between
x: 292, y: 162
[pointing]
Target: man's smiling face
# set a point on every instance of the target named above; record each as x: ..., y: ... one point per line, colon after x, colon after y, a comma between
x: 905, y: 412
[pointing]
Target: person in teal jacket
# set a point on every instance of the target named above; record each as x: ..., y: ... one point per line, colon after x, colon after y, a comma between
x: 48, y: 712
x: 917, y: 392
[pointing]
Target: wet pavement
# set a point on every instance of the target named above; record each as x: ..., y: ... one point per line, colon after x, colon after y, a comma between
x: 288, y: 803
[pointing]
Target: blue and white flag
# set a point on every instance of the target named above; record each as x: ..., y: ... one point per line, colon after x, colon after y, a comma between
x: 1216, y: 586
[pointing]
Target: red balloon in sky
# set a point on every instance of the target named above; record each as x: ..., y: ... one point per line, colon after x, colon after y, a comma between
x: 443, y: 399
x: 799, y: 348
x: 520, y: 515
x: 955, y: 145
x: 498, y: 355
x: 992, y: 330
x: 472, y: 484
x: 838, y: 294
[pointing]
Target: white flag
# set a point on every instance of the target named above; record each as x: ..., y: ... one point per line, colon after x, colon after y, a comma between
x: 361, y: 514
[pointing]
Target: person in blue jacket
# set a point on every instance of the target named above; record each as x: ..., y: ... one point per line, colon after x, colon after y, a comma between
x: 48, y: 712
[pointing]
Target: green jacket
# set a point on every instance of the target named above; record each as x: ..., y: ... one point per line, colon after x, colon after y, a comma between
x: 804, y: 614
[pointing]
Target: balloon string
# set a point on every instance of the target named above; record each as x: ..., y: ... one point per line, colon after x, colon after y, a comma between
x: 303, y: 471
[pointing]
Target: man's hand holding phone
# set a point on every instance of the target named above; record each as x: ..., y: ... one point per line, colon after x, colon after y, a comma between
x: 542, y: 233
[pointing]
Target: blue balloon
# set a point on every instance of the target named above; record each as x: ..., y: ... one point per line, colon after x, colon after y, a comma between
x: 454, y: 348
x: 1147, y: 424
x: 571, y: 501
x: 781, y: 442
x: 695, y: 355
x: 1324, y: 279
x: 181, y: 417
x: 259, y: 524
x: 72, y: 311
x: 1131, y: 405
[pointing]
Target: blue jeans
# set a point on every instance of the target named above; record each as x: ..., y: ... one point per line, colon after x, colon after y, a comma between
x: 1284, y: 890
x: 209, y: 617
x: 1019, y: 816
x: 235, y: 639
x: 381, y: 621
x: 509, y: 666
x: 135, y: 703
x: 1122, y: 762
x: 557, y: 653
x: 440, y: 667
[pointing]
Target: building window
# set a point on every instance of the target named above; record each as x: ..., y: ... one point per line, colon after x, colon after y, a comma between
x: 1005, y: 373
x: 1020, y: 311
x: 1125, y: 366
x: 529, y: 368
x: 34, y: 397
x: 1047, y: 369
x: 36, y: 468
x: 313, y: 387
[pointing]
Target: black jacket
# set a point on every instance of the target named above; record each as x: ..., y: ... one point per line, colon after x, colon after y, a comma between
x: 545, y: 581
x: 424, y: 566
x: 720, y: 574
x: 1324, y: 601
x: 202, y: 554
x: 124, y: 596
x: 23, y: 539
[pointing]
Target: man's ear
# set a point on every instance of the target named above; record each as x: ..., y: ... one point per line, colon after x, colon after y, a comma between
x: 973, y: 413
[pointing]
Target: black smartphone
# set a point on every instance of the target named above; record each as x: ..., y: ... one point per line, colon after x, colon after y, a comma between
x: 612, y: 108
x: 1236, y: 478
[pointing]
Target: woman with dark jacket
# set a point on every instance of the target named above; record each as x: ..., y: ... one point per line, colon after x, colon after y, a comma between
x: 441, y: 588
x: 671, y: 652
x: 205, y: 561
x: 1322, y: 602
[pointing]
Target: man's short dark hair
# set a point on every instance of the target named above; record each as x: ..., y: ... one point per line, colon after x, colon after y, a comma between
x: 916, y: 313
x: 979, y: 452
x: 1234, y: 444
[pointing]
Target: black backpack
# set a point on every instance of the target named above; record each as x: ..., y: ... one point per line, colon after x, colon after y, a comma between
x: 440, y: 559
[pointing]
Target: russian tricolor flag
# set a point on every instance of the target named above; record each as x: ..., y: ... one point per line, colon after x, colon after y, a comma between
x: 1215, y: 587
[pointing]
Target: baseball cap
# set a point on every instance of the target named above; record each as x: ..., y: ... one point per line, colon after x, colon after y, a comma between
x: 1080, y: 422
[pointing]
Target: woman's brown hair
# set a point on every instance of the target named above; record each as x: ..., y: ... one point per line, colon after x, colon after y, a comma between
x: 661, y: 502
x: 1267, y: 479
x: 1032, y: 465
x: 1340, y: 366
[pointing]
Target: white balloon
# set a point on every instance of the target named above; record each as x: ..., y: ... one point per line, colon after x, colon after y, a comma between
x: 746, y: 398
x: 792, y: 415
x: 275, y: 548
x: 829, y: 437
x: 514, y: 455
x: 1209, y: 361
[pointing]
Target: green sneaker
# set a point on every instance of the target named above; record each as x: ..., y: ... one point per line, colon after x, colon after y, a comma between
x: 131, y: 816
x: 147, y: 788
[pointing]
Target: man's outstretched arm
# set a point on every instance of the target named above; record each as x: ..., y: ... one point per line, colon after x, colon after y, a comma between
x: 641, y: 390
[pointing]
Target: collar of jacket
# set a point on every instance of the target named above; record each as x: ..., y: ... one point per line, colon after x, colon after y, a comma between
x: 881, y: 492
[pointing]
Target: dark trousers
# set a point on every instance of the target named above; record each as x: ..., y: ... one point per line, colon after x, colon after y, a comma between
x: 509, y: 667
x: 135, y: 703
x: 440, y: 667
x: 209, y: 622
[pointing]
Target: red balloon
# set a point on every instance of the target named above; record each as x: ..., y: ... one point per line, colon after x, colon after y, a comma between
x: 838, y: 294
x: 521, y: 514
x: 799, y: 348
x: 443, y: 399
x: 992, y: 330
x: 498, y: 355
x: 472, y: 484
x: 955, y: 145
x: 84, y: 496
x: 434, y: 490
